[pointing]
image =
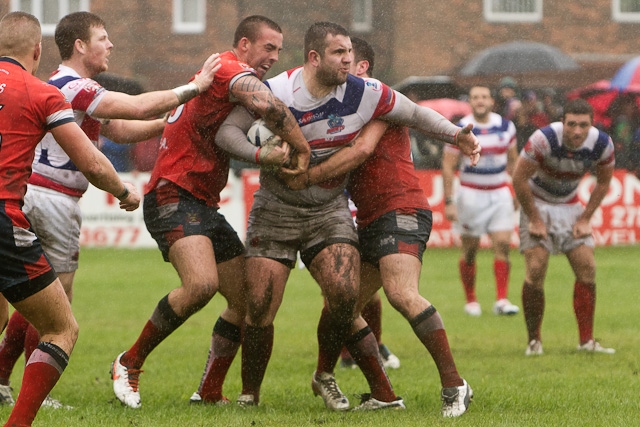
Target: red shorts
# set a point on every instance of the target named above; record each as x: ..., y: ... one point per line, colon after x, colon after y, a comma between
x: 25, y: 269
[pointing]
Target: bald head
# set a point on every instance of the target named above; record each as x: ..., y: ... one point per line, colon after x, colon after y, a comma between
x: 19, y: 34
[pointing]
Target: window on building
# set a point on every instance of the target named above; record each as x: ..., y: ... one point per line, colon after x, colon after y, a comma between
x: 49, y: 12
x: 513, y: 10
x: 189, y: 16
x: 362, y: 15
x: 626, y: 10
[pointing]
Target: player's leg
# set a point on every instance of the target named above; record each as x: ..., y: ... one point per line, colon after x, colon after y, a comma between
x: 582, y: 261
x: 50, y: 312
x: 500, y: 229
x: 467, y: 267
x: 533, y: 301
x: 265, y: 283
x: 227, y: 332
x: 56, y: 218
x: 501, y: 243
x: 11, y: 348
x: 194, y: 260
x: 336, y: 269
x: 372, y: 314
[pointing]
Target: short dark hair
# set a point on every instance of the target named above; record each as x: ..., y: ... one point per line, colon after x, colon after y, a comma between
x: 483, y: 86
x: 577, y: 106
x: 250, y: 28
x: 75, y: 26
x: 363, y: 51
x: 316, y: 35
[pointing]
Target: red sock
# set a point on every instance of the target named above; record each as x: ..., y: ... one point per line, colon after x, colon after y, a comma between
x: 533, y: 307
x: 364, y: 348
x: 42, y: 372
x: 429, y: 329
x: 468, y: 277
x: 332, y: 332
x: 256, y: 352
x: 584, y: 306
x: 12, y: 345
x: 372, y: 314
x: 162, y: 323
x: 225, y: 343
x: 501, y: 271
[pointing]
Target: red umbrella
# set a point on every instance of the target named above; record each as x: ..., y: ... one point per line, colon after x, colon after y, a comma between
x: 603, y: 93
x: 450, y: 108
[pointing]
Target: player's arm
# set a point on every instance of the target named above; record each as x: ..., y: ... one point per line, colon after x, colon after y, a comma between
x: 345, y: 160
x: 604, y: 173
x: 434, y: 124
x: 512, y: 158
x: 94, y: 165
x: 257, y: 97
x: 118, y: 105
x: 132, y: 131
x: 232, y: 138
x: 524, y: 170
x: 450, y: 159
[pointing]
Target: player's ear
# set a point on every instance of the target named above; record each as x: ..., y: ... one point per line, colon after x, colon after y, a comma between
x: 79, y: 45
x: 37, y: 51
x: 313, y: 57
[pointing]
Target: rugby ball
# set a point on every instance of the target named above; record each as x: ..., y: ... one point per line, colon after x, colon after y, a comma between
x: 259, y: 134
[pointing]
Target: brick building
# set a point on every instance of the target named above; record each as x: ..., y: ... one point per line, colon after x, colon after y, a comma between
x: 161, y: 43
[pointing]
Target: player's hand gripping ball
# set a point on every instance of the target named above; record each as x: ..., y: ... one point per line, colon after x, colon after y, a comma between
x: 273, y: 153
x: 260, y: 135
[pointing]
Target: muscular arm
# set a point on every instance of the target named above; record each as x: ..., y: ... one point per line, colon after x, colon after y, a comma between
x: 434, y: 124
x: 93, y: 164
x: 118, y: 105
x: 524, y: 170
x: 257, y: 97
x: 232, y: 137
x: 450, y: 159
x: 603, y: 178
x: 132, y: 131
x: 345, y: 160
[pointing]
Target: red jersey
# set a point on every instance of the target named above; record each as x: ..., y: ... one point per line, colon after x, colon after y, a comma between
x: 188, y: 156
x: 387, y: 181
x: 28, y: 108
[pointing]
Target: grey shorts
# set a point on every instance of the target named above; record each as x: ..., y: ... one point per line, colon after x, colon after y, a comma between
x: 559, y: 220
x: 56, y: 219
x: 278, y: 230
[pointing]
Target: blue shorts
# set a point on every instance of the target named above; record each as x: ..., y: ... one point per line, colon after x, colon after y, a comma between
x: 24, y: 267
x: 395, y: 233
x: 171, y: 213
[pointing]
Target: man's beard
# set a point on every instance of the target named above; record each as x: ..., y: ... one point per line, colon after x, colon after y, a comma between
x: 329, y: 77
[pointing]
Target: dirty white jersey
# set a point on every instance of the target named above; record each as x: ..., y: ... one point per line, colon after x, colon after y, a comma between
x: 495, y: 137
x: 328, y: 124
x: 560, y: 169
x: 52, y: 168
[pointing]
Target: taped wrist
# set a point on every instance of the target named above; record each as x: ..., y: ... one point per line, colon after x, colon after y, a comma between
x: 186, y: 92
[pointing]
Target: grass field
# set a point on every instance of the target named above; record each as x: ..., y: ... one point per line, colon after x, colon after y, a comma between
x: 116, y: 291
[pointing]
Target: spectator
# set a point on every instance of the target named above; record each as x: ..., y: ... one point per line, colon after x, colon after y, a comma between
x: 625, y: 120
x: 507, y: 100
x: 529, y: 118
x: 550, y: 106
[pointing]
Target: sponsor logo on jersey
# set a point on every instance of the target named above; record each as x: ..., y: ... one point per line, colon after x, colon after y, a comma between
x: 336, y: 124
x: 373, y: 84
x: 309, y: 118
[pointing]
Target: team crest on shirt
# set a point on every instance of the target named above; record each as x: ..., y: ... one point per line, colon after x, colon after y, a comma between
x: 336, y: 124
